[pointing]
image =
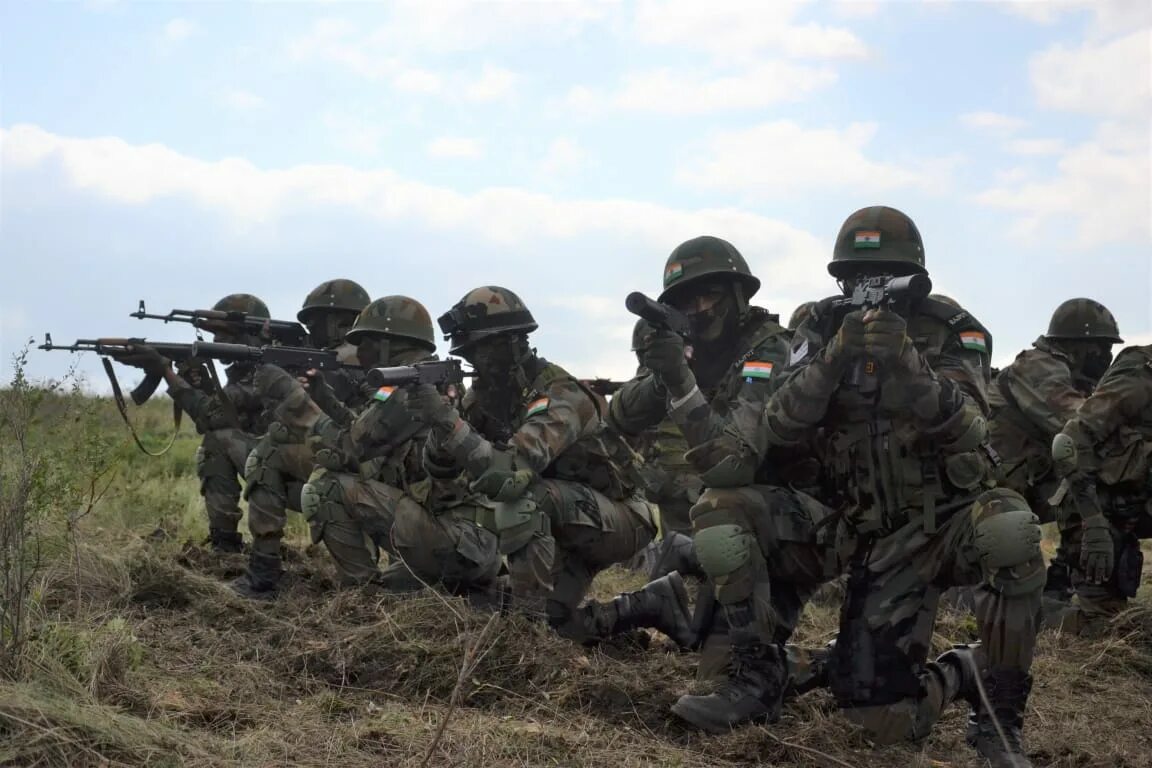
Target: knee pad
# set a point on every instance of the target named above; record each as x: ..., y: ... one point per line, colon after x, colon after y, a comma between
x: 725, y: 553
x: 1007, y: 539
x: 260, y: 472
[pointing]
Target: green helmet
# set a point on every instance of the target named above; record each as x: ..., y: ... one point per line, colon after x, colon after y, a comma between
x: 706, y: 257
x: 800, y: 314
x: 1083, y: 319
x: 338, y: 294
x: 243, y: 302
x: 878, y: 235
x: 397, y: 316
x: 945, y: 299
x: 484, y: 312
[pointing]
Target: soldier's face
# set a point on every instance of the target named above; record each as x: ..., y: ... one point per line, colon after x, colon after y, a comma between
x: 1092, y: 357
x: 491, y: 357
x: 372, y: 351
x: 327, y: 329
x: 709, y: 308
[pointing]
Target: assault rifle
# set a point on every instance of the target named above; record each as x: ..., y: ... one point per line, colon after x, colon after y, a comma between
x: 291, y: 358
x: 441, y: 373
x: 113, y: 347
x: 882, y: 292
x: 658, y: 314
x: 287, y: 332
x: 603, y: 387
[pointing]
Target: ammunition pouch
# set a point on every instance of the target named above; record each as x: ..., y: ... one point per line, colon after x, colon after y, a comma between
x: 515, y: 522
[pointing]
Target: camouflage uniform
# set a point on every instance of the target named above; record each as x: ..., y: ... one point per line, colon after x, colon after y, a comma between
x: 1108, y: 513
x: 370, y: 491
x: 800, y: 314
x: 908, y: 510
x: 563, y: 487
x: 280, y: 462
x: 1033, y: 398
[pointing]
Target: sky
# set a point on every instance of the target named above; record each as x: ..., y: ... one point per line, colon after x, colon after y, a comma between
x: 178, y: 152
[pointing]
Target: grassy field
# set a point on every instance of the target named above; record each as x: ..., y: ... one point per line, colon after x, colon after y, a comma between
x: 131, y: 650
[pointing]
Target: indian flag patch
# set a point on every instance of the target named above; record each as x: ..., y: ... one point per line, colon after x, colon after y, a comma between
x: 754, y: 369
x: 673, y: 271
x: 974, y: 340
x: 867, y: 239
x: 537, y: 406
x: 384, y: 393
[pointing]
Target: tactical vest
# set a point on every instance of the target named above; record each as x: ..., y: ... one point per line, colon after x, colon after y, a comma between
x: 1126, y: 454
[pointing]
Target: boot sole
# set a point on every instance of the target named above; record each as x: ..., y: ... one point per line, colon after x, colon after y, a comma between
x: 704, y: 722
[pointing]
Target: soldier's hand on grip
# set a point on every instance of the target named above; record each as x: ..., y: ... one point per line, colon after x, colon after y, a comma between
x: 663, y: 354
x: 848, y: 343
x: 885, y: 335
x: 274, y: 383
x: 145, y: 358
x: 426, y: 404
x: 1097, y: 551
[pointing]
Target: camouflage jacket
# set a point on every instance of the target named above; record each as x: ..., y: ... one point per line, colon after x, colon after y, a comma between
x: 1112, y: 430
x: 1030, y: 402
x: 921, y: 439
x: 209, y: 412
x: 556, y: 427
x: 727, y: 420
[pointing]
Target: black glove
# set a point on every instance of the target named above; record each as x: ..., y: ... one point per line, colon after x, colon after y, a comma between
x: 663, y: 355
x: 145, y: 358
x: 848, y: 343
x: 274, y: 383
x: 885, y: 336
x: 501, y: 481
x: 1097, y: 550
x: 426, y: 404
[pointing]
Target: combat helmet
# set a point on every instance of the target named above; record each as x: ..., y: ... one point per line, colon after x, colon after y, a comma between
x: 703, y: 258
x: 397, y: 316
x: 878, y: 235
x: 800, y: 314
x: 944, y: 298
x: 243, y: 302
x: 339, y: 294
x: 1083, y: 319
x: 484, y: 312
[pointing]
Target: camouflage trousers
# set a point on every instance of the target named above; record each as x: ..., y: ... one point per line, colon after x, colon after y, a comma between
x: 219, y: 463
x: 570, y: 534
x: 1097, y: 604
x: 274, y: 473
x: 767, y: 550
x: 356, y: 518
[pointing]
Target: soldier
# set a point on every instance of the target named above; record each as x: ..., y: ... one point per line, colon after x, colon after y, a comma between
x: 800, y: 314
x: 230, y: 420
x: 909, y: 510
x: 369, y: 491
x: 1103, y: 450
x: 280, y: 462
x: 1035, y: 396
x: 563, y: 486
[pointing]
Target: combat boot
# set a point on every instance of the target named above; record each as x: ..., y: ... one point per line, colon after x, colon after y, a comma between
x: 753, y: 692
x: 262, y: 578
x: 1058, y: 588
x: 661, y: 604
x: 1007, y: 691
x: 677, y: 553
x: 225, y: 541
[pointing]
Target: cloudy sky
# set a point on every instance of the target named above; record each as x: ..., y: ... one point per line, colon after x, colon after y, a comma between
x: 178, y: 152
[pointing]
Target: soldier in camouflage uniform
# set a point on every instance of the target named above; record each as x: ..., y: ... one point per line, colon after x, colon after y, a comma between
x: 230, y: 425
x: 1104, y: 452
x: 909, y: 509
x: 1034, y: 397
x: 800, y: 314
x: 563, y: 487
x: 279, y: 464
x: 369, y: 492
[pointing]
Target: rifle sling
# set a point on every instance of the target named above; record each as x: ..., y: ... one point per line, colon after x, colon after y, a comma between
x: 226, y: 402
x: 122, y: 407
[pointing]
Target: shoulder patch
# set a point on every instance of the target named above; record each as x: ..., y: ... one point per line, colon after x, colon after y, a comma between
x: 756, y: 369
x: 539, y: 405
x: 383, y: 393
x: 974, y: 340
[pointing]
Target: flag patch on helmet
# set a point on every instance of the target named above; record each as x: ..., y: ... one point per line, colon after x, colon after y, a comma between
x: 537, y: 406
x: 673, y: 271
x: 754, y: 369
x: 868, y: 239
x: 383, y: 393
x: 974, y: 340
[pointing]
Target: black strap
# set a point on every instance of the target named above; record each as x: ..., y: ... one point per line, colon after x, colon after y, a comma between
x: 122, y: 406
x: 218, y: 390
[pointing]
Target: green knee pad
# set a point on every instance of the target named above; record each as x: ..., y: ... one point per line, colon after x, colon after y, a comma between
x: 322, y: 501
x: 1008, y: 542
x: 725, y: 554
x: 259, y: 472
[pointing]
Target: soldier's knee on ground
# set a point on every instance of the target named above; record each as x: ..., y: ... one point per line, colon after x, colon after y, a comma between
x: 725, y: 545
x: 322, y: 502
x: 262, y: 475
x: 1007, y: 541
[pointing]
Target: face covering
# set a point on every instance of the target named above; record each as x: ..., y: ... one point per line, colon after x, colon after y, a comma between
x: 328, y: 329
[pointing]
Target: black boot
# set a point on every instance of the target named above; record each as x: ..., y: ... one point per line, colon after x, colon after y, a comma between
x: 225, y: 541
x: 661, y: 604
x: 1058, y: 586
x: 808, y: 668
x: 645, y: 559
x: 753, y: 692
x: 261, y: 579
x: 677, y: 553
x: 1007, y: 691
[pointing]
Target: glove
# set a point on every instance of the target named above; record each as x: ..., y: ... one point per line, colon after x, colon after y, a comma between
x: 501, y: 481
x: 145, y: 358
x: 274, y: 383
x: 663, y: 355
x: 1097, y: 550
x: 885, y: 336
x: 426, y: 404
x: 848, y: 343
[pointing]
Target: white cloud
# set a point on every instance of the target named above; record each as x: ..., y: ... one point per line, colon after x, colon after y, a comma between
x: 993, y: 122
x: 1035, y: 146
x: 1109, y: 17
x: 243, y: 101
x: 778, y: 158
x: 454, y: 146
x: 1097, y: 78
x: 415, y: 80
x: 353, y: 134
x: 178, y: 30
x: 564, y: 156
x: 492, y: 84
x: 856, y: 9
